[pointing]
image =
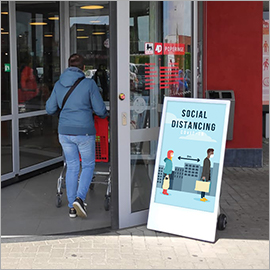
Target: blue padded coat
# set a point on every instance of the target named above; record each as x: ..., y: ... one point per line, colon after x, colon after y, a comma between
x: 76, y: 117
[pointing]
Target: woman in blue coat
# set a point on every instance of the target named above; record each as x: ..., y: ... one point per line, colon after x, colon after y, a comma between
x: 76, y: 130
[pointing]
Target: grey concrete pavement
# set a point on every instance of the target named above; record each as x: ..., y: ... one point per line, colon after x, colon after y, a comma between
x: 244, y: 244
x: 136, y: 248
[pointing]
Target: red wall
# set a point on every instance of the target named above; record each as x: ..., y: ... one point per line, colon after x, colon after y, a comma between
x: 233, y: 61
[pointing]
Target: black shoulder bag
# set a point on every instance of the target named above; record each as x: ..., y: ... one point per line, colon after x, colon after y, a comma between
x: 69, y: 93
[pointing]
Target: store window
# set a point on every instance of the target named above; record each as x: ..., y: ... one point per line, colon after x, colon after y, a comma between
x: 165, y: 45
x: 89, y: 36
x: 177, y: 40
x: 5, y: 61
x: 160, y: 65
x: 6, y: 147
x: 38, y: 54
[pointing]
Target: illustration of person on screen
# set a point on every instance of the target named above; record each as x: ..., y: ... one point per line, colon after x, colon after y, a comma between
x: 167, y: 171
x: 206, y: 170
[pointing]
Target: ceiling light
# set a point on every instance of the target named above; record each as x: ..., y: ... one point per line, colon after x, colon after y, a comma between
x: 4, y: 13
x: 81, y: 37
x: 4, y: 33
x: 48, y: 35
x: 2, y: 29
x: 80, y: 30
x: 54, y: 18
x: 94, y: 21
x: 92, y: 7
x: 98, y: 33
x: 38, y: 23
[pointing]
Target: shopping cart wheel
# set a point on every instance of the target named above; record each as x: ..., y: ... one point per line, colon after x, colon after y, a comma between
x: 58, y: 201
x: 222, y: 222
x: 107, y: 203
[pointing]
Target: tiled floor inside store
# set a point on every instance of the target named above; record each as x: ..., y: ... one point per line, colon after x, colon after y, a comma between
x: 29, y: 207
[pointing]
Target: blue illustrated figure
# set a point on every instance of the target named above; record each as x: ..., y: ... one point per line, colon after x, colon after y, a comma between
x: 167, y: 171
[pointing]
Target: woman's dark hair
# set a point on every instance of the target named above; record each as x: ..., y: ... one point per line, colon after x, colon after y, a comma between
x: 76, y: 60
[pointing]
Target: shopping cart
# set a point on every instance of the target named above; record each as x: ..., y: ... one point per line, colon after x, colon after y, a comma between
x: 102, y: 155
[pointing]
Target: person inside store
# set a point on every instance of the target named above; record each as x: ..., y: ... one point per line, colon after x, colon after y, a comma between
x: 28, y: 86
x: 76, y: 129
x: 101, y: 79
x: 39, y: 101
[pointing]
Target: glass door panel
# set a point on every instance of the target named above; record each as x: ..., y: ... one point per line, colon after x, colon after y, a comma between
x: 176, y: 66
x: 6, y: 147
x: 38, y: 53
x: 160, y: 65
x: 89, y: 36
x: 38, y: 62
x: 5, y: 61
x: 144, y: 96
x: 38, y: 140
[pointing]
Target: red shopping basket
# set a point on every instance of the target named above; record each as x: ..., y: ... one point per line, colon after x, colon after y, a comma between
x: 102, y: 143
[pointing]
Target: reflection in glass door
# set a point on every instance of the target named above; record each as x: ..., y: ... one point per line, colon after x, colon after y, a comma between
x: 6, y: 126
x: 144, y: 99
x: 38, y: 67
x: 30, y: 57
x: 89, y: 36
x: 160, y: 64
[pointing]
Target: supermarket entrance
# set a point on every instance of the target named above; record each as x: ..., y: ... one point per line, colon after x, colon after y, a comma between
x: 42, y: 36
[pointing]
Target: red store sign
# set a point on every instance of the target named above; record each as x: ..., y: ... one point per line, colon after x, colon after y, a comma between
x: 158, y: 48
x: 174, y: 48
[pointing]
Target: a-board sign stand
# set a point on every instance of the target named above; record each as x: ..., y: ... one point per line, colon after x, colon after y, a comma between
x: 187, y: 178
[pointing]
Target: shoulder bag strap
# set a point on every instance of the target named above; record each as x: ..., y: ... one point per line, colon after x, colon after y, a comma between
x: 70, y: 91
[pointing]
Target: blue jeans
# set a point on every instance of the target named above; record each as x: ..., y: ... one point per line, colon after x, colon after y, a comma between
x: 72, y: 146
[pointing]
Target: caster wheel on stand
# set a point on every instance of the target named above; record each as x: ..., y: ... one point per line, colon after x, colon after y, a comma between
x: 222, y: 222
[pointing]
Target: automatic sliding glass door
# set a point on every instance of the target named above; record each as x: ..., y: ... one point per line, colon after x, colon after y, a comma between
x: 159, y: 64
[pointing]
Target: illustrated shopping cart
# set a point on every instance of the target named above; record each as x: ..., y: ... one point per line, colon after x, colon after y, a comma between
x: 102, y: 155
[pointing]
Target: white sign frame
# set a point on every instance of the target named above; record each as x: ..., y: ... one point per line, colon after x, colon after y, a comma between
x: 183, y: 221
